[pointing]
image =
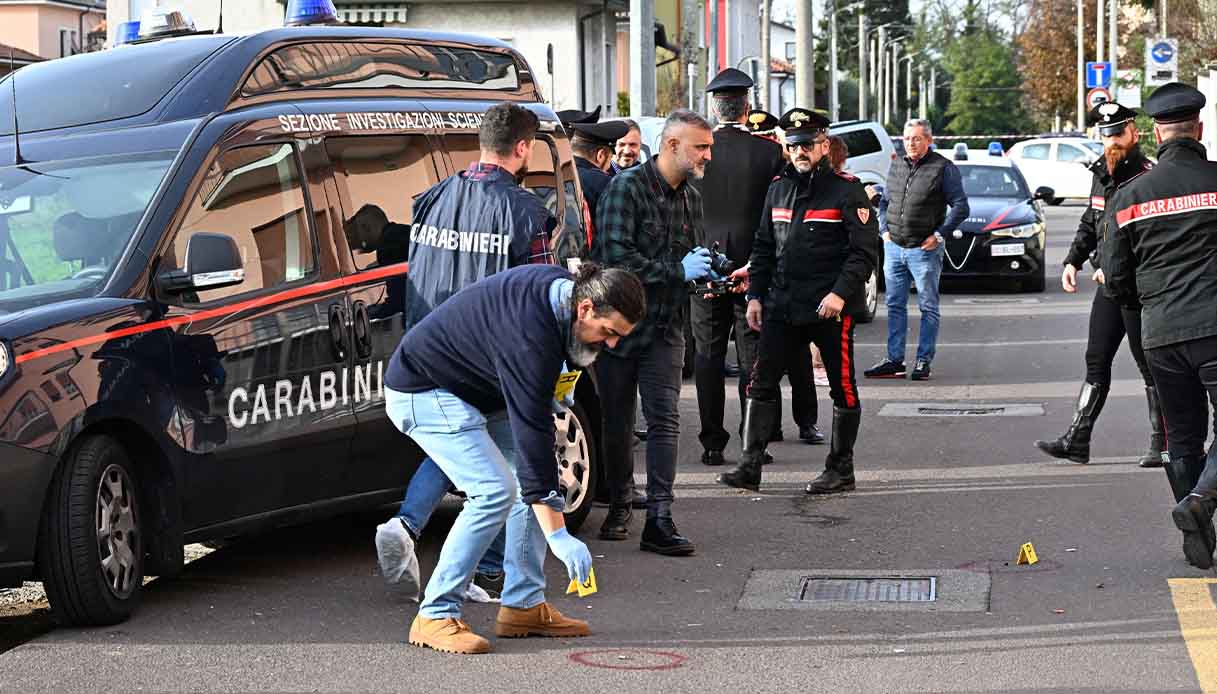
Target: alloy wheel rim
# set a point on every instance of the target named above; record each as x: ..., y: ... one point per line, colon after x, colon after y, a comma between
x: 574, y: 459
x: 117, y: 532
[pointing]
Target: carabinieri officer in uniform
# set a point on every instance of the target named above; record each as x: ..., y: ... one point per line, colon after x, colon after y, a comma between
x: 816, y: 245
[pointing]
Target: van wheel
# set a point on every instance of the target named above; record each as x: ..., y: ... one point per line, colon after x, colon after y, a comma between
x: 91, y: 545
x: 575, y: 450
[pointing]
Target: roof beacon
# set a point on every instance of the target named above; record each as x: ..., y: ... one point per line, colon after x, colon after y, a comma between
x: 160, y: 22
x: 127, y: 32
x: 307, y: 12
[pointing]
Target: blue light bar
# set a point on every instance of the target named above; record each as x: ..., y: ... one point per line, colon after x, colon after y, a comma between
x: 996, y: 150
x: 127, y: 32
x: 305, y: 12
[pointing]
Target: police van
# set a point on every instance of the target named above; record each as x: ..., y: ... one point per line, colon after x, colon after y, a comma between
x: 202, y: 267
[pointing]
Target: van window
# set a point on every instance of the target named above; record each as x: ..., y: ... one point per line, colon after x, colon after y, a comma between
x: 540, y: 180
x: 255, y: 195
x: 860, y: 142
x: 367, y: 65
x: 1039, y: 151
x: 379, y: 178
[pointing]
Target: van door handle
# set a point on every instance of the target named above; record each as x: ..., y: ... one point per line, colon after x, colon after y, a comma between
x: 338, y: 332
x: 362, y: 326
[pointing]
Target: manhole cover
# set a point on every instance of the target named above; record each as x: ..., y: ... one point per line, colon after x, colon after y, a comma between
x: 870, y: 589
x: 961, y: 409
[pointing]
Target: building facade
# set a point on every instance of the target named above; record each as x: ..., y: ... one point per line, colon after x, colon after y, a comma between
x: 50, y: 28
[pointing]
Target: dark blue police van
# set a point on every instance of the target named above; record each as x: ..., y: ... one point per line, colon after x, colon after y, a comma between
x: 202, y: 246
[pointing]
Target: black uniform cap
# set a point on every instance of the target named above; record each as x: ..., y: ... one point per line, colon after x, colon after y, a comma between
x: 605, y: 134
x: 573, y: 115
x: 803, y: 125
x: 730, y: 82
x: 1111, y: 117
x: 1174, y: 102
x: 761, y: 122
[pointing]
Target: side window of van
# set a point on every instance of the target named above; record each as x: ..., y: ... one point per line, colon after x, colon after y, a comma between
x: 379, y: 177
x: 253, y: 194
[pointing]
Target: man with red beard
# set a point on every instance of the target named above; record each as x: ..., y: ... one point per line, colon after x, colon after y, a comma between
x: 1122, y: 161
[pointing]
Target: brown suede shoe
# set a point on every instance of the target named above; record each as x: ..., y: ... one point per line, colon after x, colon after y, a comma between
x: 541, y: 620
x: 448, y: 635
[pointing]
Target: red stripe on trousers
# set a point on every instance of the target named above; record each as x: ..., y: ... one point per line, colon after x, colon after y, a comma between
x: 847, y: 386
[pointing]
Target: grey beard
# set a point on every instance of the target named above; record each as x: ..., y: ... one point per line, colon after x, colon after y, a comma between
x: 581, y: 353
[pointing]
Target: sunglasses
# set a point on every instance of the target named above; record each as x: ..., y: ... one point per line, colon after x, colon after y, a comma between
x: 805, y: 146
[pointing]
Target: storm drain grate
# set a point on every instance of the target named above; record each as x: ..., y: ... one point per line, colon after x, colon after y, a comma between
x: 846, y: 589
x: 961, y: 409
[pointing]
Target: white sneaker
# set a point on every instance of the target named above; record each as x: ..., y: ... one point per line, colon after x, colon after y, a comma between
x: 476, y: 593
x: 395, y: 554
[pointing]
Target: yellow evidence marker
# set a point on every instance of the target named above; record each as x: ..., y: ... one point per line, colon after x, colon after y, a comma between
x: 584, y: 589
x: 566, y: 384
x: 1026, y: 554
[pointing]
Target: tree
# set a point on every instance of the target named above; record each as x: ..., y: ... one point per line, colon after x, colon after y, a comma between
x: 1048, y: 56
x: 986, y: 91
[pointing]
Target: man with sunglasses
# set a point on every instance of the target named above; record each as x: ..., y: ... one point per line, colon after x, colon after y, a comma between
x: 816, y: 244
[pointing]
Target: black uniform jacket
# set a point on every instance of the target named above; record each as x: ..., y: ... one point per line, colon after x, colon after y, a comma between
x: 1162, y: 247
x: 1102, y: 185
x: 733, y: 189
x: 593, y: 181
x: 818, y: 234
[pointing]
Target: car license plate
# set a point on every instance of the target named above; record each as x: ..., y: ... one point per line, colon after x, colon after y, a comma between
x: 1005, y: 249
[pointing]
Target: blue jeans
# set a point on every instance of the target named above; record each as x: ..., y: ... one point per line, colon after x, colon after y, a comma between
x: 427, y: 489
x: 923, y: 268
x: 476, y: 452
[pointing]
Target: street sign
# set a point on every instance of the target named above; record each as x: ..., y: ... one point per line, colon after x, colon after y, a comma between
x: 1161, y: 61
x: 1128, y: 88
x: 1098, y: 75
x: 1097, y: 96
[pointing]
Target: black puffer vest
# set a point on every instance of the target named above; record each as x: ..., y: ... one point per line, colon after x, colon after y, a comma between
x: 917, y: 205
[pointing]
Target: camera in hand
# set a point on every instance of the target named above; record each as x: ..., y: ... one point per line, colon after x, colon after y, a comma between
x: 713, y: 287
x: 720, y: 263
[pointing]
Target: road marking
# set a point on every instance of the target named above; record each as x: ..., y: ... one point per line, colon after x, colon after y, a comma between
x: 906, y: 390
x: 996, y: 343
x: 1193, y: 599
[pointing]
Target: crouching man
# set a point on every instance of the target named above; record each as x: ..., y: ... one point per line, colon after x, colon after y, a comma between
x: 473, y: 384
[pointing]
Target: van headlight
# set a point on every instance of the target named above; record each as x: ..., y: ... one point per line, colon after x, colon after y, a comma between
x: 1022, y: 231
x: 5, y: 360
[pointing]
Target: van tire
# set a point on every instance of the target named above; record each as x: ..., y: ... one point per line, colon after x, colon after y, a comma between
x: 95, y: 475
x: 585, y: 455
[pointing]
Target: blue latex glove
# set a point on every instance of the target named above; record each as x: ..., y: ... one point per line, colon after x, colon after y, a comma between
x: 573, y: 553
x: 696, y: 264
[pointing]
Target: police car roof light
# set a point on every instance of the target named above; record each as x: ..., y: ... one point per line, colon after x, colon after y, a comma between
x: 307, y: 12
x: 162, y: 21
x: 126, y: 33
x: 996, y: 150
x: 960, y: 151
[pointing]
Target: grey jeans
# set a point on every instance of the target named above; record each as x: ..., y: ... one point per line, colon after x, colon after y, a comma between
x: 653, y: 372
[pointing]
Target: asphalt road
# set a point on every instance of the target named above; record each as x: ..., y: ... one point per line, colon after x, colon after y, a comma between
x: 1111, y: 606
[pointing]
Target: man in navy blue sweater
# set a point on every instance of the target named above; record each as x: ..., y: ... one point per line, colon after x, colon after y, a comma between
x: 473, y: 384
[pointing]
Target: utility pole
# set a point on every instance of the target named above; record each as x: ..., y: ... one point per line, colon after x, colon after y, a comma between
x: 690, y: 45
x: 1112, y: 43
x: 712, y: 68
x: 834, y: 101
x: 805, y: 56
x: 1099, y: 44
x: 933, y: 101
x: 763, y: 90
x: 908, y: 89
x: 1081, y: 115
x: 1164, y: 34
x: 922, y: 101
x: 642, y: 58
x: 861, y: 65
x: 878, y: 71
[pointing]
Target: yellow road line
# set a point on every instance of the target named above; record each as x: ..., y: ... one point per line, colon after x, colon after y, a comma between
x: 1198, y: 623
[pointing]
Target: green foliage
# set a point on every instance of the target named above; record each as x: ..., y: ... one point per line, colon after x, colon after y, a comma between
x: 623, y: 103
x: 986, y: 92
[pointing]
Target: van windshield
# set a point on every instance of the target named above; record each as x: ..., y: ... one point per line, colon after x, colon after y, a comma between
x: 63, y: 224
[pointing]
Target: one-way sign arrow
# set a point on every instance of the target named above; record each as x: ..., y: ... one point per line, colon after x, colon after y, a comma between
x: 1163, y: 52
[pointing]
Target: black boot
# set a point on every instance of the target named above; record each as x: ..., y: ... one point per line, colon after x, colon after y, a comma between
x: 1183, y: 475
x: 1074, y: 444
x: 758, y: 423
x: 617, y: 523
x: 838, y: 475
x: 1157, y: 438
x: 1194, y: 516
x: 660, y: 536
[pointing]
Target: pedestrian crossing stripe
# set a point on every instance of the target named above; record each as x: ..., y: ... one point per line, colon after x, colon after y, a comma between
x: 1193, y: 598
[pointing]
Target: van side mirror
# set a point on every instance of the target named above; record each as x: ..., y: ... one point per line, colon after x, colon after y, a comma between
x: 212, y: 261
x: 1044, y: 193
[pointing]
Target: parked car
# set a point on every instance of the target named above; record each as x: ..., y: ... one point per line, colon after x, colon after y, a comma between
x: 201, y: 282
x: 1004, y: 234
x: 1058, y: 163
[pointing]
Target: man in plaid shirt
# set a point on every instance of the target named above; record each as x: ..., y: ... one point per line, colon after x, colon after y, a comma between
x: 467, y: 227
x: 646, y: 222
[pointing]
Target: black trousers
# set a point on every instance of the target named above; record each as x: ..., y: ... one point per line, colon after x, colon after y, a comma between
x: 782, y: 342
x: 1186, y: 374
x: 1108, y: 325
x: 713, y: 320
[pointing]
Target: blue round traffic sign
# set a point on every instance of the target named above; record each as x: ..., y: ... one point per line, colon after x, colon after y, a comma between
x: 1162, y: 52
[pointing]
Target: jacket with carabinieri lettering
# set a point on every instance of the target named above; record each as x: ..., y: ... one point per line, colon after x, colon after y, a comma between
x: 1161, y: 248
x: 817, y: 234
